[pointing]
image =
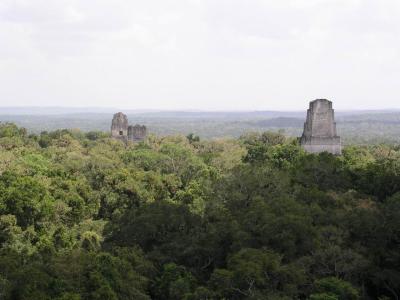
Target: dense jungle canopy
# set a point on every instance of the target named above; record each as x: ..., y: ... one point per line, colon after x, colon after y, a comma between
x: 83, y: 216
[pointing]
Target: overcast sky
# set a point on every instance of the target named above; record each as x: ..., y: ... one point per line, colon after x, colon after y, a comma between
x: 200, y: 54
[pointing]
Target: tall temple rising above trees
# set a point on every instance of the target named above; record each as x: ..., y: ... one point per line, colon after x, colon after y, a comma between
x: 319, y: 133
x: 120, y: 129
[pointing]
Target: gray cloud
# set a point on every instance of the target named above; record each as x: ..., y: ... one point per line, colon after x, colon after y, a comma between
x: 200, y: 54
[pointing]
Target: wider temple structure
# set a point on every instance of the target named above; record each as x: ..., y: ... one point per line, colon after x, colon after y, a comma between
x: 120, y: 129
x: 319, y: 133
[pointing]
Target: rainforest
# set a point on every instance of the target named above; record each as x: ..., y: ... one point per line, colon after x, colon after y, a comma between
x: 84, y: 216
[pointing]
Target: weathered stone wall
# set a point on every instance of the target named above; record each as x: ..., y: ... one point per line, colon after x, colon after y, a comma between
x: 137, y: 132
x: 319, y: 133
x: 317, y: 147
x: 119, y: 126
x: 122, y: 131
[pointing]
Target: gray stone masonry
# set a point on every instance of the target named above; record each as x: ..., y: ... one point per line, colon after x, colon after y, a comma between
x: 122, y: 131
x: 137, y: 132
x: 319, y: 133
x: 119, y: 126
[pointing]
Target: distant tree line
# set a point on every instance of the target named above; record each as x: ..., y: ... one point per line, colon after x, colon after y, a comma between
x: 355, y: 128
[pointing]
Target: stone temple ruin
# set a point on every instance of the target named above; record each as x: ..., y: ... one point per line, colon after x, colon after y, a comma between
x: 319, y: 133
x: 120, y: 129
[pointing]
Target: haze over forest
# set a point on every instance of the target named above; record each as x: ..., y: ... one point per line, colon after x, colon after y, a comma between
x: 355, y: 127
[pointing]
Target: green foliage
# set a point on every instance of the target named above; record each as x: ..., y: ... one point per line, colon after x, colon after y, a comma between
x: 253, y: 272
x: 84, y: 216
x: 11, y: 130
x: 26, y: 198
x: 324, y: 171
x: 323, y: 296
x: 174, y: 282
x: 334, y: 288
x: 192, y: 138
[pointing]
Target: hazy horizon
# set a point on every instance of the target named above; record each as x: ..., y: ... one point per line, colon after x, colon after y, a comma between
x: 200, y: 55
x: 109, y: 109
